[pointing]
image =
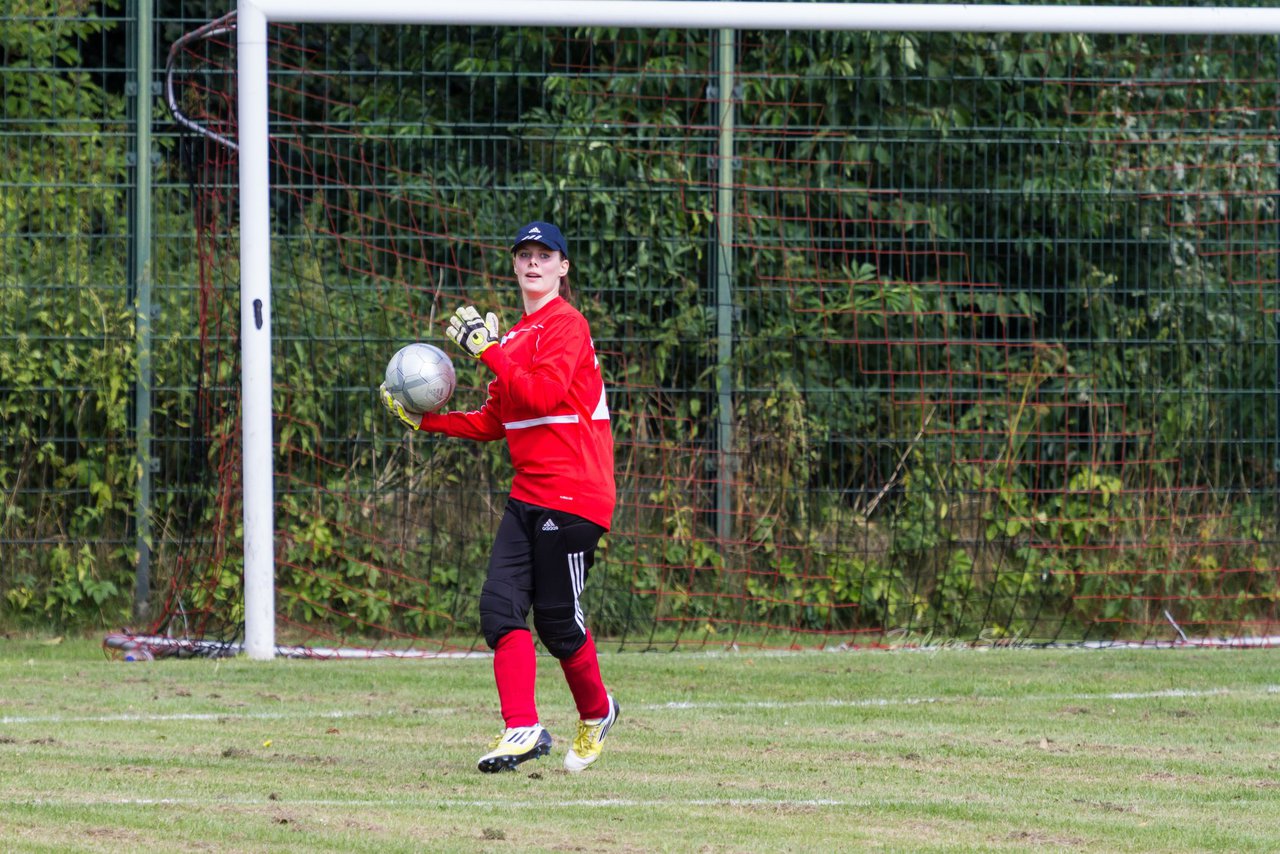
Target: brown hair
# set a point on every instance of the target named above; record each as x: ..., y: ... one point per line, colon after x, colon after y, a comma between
x: 566, y: 292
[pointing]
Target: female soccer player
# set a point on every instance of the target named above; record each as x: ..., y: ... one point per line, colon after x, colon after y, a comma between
x: 548, y: 401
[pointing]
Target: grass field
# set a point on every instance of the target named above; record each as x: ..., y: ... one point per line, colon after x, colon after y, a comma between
x: 953, y: 750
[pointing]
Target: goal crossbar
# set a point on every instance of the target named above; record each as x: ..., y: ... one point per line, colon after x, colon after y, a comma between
x: 253, y: 17
x: 717, y: 14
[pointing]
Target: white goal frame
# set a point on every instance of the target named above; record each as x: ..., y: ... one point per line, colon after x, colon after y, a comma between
x: 253, y: 16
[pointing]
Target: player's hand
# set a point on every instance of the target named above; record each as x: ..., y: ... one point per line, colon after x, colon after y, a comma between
x: 397, y: 409
x: 473, y: 334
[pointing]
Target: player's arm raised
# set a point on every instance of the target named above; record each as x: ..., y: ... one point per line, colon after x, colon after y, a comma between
x: 543, y: 385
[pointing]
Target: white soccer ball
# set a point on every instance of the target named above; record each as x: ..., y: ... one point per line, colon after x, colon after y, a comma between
x: 421, y: 377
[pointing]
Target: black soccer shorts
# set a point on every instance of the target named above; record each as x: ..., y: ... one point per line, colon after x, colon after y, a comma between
x: 540, y: 560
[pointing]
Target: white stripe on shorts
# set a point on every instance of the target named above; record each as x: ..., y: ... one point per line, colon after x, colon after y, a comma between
x: 577, y: 577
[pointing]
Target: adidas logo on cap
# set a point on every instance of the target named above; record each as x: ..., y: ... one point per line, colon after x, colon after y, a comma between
x: 542, y: 232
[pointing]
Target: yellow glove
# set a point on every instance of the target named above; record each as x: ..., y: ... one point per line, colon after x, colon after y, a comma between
x: 470, y: 332
x: 397, y: 409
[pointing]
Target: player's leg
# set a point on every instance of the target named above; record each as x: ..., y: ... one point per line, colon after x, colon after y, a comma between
x: 597, y: 709
x: 564, y: 552
x: 504, y: 611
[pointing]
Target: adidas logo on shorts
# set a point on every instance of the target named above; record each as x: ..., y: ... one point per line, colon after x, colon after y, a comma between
x: 550, y: 526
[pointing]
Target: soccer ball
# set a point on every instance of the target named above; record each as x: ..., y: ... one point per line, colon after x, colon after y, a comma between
x: 421, y: 377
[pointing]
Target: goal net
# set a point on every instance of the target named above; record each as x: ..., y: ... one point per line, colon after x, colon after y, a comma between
x: 909, y: 337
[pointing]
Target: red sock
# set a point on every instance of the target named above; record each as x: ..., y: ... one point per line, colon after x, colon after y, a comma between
x: 515, y: 669
x: 582, y: 672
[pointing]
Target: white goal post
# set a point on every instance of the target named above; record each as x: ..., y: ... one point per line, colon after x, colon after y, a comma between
x: 253, y: 16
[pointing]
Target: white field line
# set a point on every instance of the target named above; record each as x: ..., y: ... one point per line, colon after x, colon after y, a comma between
x: 140, y: 717
x: 672, y: 706
x: 496, y: 803
x: 917, y: 701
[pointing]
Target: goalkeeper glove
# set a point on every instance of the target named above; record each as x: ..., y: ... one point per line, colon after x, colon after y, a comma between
x: 471, y: 332
x: 397, y: 409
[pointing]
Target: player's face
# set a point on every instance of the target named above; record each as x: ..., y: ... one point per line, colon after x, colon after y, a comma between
x: 538, y: 270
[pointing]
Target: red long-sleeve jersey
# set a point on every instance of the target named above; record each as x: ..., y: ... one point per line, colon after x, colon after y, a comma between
x: 548, y: 402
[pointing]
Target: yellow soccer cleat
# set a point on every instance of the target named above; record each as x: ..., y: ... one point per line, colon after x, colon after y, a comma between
x: 587, y: 746
x: 513, y: 746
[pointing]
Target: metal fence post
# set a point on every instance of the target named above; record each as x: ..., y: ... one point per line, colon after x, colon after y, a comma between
x: 139, y: 51
x: 724, y: 288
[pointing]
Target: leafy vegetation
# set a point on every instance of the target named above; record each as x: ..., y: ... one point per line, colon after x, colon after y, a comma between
x: 1002, y: 365
x: 66, y: 367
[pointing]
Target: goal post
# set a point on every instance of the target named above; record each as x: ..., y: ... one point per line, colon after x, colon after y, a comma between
x: 255, y: 334
x: 254, y: 16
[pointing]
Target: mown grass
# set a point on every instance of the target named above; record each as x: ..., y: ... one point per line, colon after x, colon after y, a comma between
x: 954, y: 750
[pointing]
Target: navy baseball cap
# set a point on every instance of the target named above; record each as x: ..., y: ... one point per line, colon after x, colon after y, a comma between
x: 542, y: 232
